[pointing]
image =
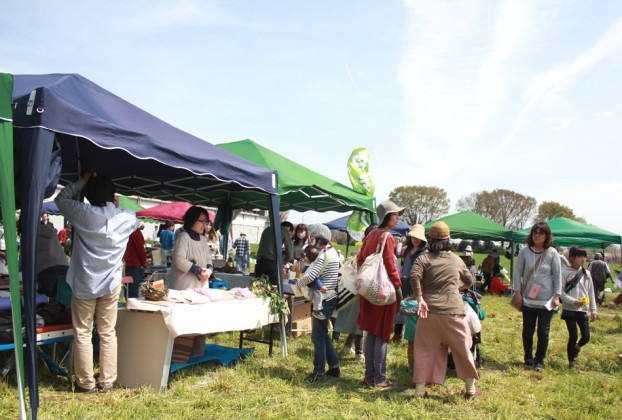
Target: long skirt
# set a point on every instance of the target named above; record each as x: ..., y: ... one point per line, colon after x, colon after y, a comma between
x: 433, y: 336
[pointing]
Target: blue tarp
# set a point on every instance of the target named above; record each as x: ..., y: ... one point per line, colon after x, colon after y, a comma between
x: 401, y: 229
x: 65, y: 125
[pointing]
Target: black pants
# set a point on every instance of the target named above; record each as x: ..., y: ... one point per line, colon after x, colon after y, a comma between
x: 269, y: 268
x: 542, y: 318
x: 574, y: 318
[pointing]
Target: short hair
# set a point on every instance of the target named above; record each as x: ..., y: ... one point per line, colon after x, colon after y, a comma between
x: 288, y: 225
x: 438, y: 245
x: 321, y: 242
x: 312, y: 252
x: 542, y: 226
x: 576, y: 251
x: 192, y: 215
x: 99, y: 190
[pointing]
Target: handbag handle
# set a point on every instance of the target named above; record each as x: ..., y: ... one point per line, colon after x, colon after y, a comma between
x: 384, y: 241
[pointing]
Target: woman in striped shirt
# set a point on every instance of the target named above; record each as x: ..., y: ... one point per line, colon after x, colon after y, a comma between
x: 326, y: 266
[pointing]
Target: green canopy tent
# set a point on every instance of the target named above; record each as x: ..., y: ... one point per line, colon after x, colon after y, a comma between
x: 469, y: 225
x: 568, y: 232
x: 300, y: 188
x: 7, y: 202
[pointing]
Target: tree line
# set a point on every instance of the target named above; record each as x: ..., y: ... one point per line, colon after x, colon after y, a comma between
x: 505, y: 207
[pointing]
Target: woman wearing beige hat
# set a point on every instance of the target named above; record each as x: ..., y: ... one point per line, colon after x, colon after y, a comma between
x: 377, y: 320
x: 436, y: 279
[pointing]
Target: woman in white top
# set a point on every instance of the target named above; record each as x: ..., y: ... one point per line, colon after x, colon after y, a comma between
x: 192, y: 258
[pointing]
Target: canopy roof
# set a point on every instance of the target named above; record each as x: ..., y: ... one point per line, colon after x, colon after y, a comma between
x: 341, y: 223
x: 65, y: 125
x: 469, y: 225
x: 168, y: 211
x: 50, y: 207
x: 568, y: 232
x: 300, y: 188
x: 145, y: 156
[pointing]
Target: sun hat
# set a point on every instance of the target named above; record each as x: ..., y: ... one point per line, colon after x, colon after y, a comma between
x: 439, y: 230
x: 319, y: 231
x: 469, y: 248
x: 598, y: 256
x: 418, y: 231
x: 387, y: 207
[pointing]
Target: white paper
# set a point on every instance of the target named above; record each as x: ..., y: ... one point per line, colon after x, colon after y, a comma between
x: 549, y: 304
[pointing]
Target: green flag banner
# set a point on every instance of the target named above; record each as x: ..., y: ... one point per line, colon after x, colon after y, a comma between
x: 358, y: 171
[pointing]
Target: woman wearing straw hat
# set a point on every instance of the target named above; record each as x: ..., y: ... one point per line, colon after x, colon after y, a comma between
x: 376, y: 320
x: 436, y: 279
x: 417, y: 246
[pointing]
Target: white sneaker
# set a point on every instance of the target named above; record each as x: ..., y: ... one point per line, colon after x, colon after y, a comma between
x: 359, y: 358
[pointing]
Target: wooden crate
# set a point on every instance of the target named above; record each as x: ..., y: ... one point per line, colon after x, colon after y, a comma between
x: 301, y: 327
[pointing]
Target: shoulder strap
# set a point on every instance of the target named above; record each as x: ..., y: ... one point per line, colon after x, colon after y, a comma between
x: 380, y: 249
x: 526, y: 279
x: 575, y: 280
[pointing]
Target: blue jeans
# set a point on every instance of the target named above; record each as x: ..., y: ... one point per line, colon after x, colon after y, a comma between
x: 375, y: 358
x: 138, y: 274
x: 242, y: 262
x: 324, y: 351
x: 542, y: 317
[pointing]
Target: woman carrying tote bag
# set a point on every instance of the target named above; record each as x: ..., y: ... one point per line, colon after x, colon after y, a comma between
x: 538, y: 275
x: 377, y: 320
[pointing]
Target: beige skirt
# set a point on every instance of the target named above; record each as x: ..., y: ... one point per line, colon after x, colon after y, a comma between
x: 433, y: 336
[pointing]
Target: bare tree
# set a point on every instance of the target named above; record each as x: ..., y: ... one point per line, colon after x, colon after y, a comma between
x: 421, y: 203
x: 508, y: 208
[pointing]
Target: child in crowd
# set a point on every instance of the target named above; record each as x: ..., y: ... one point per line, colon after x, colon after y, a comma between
x: 316, y: 288
x: 577, y: 299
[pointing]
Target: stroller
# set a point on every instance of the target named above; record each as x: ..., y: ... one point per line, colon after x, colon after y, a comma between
x: 472, y: 298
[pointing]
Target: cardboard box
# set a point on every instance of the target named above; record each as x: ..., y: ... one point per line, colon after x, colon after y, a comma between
x: 301, y: 327
x: 301, y: 310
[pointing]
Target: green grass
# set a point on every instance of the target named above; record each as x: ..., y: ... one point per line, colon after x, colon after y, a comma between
x: 273, y: 387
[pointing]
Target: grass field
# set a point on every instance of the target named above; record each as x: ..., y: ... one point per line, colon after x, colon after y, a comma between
x: 273, y: 387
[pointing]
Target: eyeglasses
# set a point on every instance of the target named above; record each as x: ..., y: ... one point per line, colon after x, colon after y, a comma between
x: 204, y: 221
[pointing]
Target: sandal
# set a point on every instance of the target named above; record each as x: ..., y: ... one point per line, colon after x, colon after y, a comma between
x: 386, y: 384
x: 474, y: 395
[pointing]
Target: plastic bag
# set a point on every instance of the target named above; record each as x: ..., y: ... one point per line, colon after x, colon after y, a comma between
x: 348, y: 272
x: 617, y: 283
x: 472, y: 319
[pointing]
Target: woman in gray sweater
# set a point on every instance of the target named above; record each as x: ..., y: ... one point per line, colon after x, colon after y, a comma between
x: 539, y: 269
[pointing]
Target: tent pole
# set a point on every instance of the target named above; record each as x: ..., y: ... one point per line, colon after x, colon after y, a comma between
x: 276, y: 229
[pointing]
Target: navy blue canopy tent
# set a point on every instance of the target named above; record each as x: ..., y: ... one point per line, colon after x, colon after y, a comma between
x: 65, y: 125
x: 401, y: 229
x: 341, y: 223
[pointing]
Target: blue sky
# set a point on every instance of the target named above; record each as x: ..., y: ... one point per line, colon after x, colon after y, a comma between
x: 463, y: 95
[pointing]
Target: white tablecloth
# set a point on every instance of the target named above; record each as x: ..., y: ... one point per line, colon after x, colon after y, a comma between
x: 208, y: 318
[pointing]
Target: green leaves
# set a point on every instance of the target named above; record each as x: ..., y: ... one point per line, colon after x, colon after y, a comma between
x: 261, y: 287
